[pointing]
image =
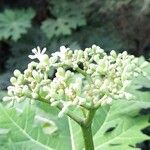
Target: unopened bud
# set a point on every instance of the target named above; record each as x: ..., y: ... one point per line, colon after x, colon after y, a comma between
x: 17, y: 73
x: 13, y: 80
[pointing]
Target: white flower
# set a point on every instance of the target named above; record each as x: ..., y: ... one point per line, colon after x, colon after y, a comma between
x: 63, y: 49
x: 38, y: 53
x: 62, y: 52
x: 58, y: 79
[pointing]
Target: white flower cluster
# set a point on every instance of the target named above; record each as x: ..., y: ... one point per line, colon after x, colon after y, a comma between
x: 87, y: 79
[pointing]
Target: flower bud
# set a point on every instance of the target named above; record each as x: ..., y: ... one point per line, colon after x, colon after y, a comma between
x: 10, y: 93
x: 82, y: 100
x: 36, y: 75
x: 61, y: 71
x: 89, y: 71
x: 61, y: 92
x: 34, y: 95
x: 109, y: 100
x: 20, y: 79
x: 27, y: 73
x: 13, y: 80
x: 94, y: 46
x: 52, y: 60
x: 68, y: 74
x: 55, y: 103
x: 124, y: 53
x: 99, y: 50
x: 25, y: 90
x: 96, y: 58
x: 113, y: 54
x: 31, y: 65
x: 128, y: 96
x: 17, y: 73
x: 44, y: 59
x: 6, y: 98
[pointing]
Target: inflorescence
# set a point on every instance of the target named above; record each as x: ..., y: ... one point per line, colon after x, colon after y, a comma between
x: 87, y: 79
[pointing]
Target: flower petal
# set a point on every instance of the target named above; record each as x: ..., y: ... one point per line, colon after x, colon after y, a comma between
x: 43, y: 51
x: 38, y: 50
x: 63, y: 49
x: 34, y: 50
x: 32, y: 56
x: 56, y: 54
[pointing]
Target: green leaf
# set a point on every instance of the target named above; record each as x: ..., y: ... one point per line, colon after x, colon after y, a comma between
x: 75, y: 135
x: 66, y: 19
x: 22, y: 130
x: 125, y: 135
x: 14, y: 23
x: 27, y: 130
x: 119, y: 125
x: 71, y: 129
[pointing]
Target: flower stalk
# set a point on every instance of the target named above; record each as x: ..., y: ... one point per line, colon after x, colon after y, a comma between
x: 87, y: 130
x: 88, y: 138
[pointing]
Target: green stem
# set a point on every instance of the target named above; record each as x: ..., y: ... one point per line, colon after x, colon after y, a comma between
x: 72, y: 116
x: 87, y: 130
x: 88, y: 138
x: 90, y: 117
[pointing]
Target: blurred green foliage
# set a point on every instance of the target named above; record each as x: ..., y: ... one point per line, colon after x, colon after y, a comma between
x: 66, y: 17
x: 14, y: 23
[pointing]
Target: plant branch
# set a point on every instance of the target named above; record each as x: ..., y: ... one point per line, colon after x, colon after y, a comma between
x: 87, y: 130
x: 72, y: 116
x: 69, y: 113
x: 88, y: 137
x: 90, y: 117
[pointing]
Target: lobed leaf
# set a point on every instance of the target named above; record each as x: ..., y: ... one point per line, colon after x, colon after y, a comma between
x: 14, y: 23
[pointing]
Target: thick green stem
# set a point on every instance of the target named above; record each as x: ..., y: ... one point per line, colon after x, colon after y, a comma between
x: 87, y: 130
x: 90, y: 117
x: 88, y: 138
